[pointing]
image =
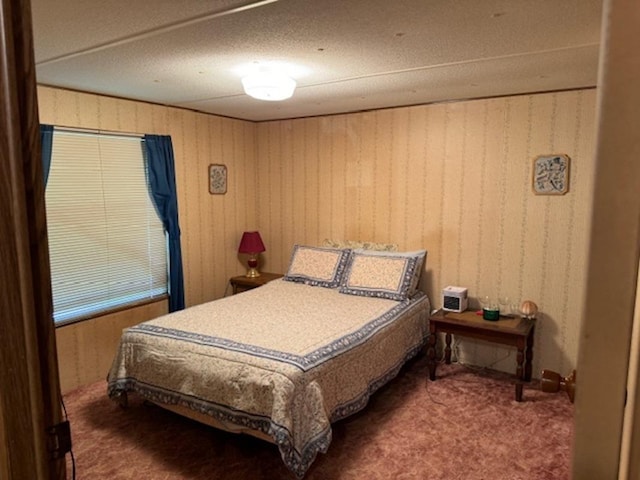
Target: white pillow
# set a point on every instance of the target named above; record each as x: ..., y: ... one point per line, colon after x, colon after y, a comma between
x: 318, y: 266
x: 391, y: 275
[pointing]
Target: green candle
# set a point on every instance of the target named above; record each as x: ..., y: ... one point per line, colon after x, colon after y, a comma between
x: 491, y: 313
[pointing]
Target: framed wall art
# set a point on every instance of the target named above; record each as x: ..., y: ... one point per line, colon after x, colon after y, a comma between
x: 551, y: 174
x: 217, y: 179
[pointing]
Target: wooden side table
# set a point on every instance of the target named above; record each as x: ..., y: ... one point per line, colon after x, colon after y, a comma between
x: 516, y: 332
x: 242, y: 283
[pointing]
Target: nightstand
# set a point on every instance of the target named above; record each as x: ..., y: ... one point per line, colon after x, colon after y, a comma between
x: 516, y: 332
x: 242, y: 283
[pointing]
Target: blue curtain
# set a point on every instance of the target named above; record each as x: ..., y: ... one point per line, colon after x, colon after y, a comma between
x: 46, y: 140
x: 162, y: 181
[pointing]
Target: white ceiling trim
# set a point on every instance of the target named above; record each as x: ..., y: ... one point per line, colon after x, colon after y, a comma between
x: 152, y: 32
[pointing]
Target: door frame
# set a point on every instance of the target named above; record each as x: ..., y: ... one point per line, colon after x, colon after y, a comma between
x: 30, y: 396
x: 604, y: 359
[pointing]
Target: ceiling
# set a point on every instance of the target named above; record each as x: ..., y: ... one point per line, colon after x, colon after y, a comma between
x: 345, y: 55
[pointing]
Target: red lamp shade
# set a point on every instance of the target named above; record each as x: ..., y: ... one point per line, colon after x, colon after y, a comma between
x: 251, y: 243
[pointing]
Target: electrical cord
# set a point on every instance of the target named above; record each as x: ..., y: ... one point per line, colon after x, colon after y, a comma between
x: 480, y: 368
x: 455, y: 353
x: 73, y: 459
x: 426, y: 387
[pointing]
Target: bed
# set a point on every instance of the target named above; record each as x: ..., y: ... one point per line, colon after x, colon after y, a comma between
x: 283, y: 361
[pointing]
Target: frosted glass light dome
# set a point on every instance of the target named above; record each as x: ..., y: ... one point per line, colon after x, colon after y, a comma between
x: 269, y: 85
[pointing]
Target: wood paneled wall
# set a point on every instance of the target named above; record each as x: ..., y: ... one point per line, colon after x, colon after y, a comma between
x: 86, y: 349
x: 211, y: 225
x: 453, y: 178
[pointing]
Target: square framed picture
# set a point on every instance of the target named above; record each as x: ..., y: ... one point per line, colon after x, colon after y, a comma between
x: 217, y: 179
x: 551, y: 174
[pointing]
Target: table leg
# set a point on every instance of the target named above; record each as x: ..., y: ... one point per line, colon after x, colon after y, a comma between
x: 447, y: 349
x: 529, y: 356
x: 520, y: 360
x: 519, y: 371
x: 518, y: 390
x: 431, y: 356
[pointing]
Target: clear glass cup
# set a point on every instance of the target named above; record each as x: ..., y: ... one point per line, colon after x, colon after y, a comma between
x: 485, y: 301
x: 505, y: 305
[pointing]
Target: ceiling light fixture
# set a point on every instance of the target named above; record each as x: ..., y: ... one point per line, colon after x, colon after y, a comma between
x: 268, y: 84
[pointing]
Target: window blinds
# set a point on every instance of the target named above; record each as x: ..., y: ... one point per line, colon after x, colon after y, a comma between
x: 107, y: 244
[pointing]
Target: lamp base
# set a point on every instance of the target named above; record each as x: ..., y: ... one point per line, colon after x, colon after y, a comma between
x: 252, y: 263
x: 253, y: 272
x: 554, y: 382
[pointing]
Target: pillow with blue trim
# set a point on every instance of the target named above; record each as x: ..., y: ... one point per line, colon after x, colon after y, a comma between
x: 317, y: 266
x: 390, y: 275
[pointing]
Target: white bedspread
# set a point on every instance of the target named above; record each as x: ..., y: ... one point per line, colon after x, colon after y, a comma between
x: 285, y: 359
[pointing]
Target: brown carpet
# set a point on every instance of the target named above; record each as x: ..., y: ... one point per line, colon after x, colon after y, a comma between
x: 466, y: 425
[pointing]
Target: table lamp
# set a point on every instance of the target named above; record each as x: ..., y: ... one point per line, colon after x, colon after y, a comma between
x: 553, y: 382
x: 252, y: 245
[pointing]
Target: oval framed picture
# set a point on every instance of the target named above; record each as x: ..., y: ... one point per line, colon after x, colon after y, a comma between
x: 551, y: 174
x: 217, y: 179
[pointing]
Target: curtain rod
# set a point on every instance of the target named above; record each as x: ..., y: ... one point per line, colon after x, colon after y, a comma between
x: 96, y: 131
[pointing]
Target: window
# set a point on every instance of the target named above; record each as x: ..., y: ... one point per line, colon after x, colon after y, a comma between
x: 107, y: 245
